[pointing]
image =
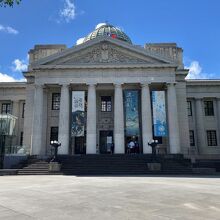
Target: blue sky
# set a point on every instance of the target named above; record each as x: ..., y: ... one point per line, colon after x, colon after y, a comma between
x: 193, y: 24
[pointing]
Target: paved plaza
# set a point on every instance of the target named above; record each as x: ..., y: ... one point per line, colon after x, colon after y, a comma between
x: 103, y: 198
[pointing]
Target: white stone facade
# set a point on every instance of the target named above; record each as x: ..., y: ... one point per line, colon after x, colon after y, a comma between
x: 106, y: 66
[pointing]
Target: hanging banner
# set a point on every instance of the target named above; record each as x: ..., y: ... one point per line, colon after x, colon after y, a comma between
x: 78, y: 113
x: 131, y: 112
x: 159, y: 113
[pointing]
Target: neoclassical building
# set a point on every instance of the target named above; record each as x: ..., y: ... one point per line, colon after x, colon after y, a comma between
x: 105, y: 93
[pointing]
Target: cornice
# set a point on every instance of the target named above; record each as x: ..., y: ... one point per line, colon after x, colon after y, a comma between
x: 202, y: 82
x: 104, y: 66
x: 13, y: 84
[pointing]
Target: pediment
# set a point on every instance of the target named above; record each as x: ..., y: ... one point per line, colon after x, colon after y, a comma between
x: 103, y: 52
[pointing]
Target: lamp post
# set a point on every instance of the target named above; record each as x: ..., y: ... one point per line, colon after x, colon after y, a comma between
x: 153, y: 143
x: 55, y: 144
x: 154, y: 165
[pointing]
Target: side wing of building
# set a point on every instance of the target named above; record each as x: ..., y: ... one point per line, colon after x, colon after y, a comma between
x: 203, y: 107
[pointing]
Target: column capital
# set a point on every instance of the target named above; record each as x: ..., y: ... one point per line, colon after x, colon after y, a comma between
x: 65, y: 85
x: 118, y: 85
x: 91, y: 84
x: 169, y: 84
x: 198, y: 98
x: 39, y: 86
x: 15, y: 100
x: 145, y: 84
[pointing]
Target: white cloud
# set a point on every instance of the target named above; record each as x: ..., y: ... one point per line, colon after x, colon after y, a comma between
x: 7, y: 78
x: 68, y: 13
x: 99, y: 25
x: 195, y: 71
x: 80, y: 41
x: 20, y: 65
x: 8, y: 29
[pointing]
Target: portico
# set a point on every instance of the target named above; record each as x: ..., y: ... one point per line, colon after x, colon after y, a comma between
x: 104, y: 93
x: 113, y: 120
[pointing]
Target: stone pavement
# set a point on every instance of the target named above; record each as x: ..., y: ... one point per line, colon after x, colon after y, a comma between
x: 104, y: 198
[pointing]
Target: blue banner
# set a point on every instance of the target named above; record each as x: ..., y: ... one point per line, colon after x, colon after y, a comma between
x: 78, y: 113
x: 159, y: 113
x: 131, y: 112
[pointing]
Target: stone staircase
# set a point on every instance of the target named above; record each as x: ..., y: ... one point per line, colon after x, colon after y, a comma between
x: 38, y: 168
x: 117, y: 164
x: 106, y: 164
x: 34, y: 166
x: 122, y: 165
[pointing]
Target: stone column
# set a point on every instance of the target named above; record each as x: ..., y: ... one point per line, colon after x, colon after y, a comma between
x: 218, y: 120
x: 119, y: 140
x: 37, y: 121
x: 146, y: 118
x: 63, y: 135
x: 28, y: 116
x: 91, y: 120
x: 15, y: 112
x: 174, y: 138
x: 200, y: 129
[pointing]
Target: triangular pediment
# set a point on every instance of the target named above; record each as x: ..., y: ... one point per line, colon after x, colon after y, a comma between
x: 103, y: 52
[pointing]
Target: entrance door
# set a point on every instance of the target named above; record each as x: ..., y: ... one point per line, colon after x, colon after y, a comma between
x: 80, y: 147
x: 105, y: 141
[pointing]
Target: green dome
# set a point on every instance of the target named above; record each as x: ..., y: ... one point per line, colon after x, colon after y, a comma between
x: 108, y: 30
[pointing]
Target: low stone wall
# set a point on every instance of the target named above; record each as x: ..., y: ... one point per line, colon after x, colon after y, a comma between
x: 11, y: 161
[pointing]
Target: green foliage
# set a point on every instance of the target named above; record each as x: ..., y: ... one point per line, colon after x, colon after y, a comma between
x: 4, y: 3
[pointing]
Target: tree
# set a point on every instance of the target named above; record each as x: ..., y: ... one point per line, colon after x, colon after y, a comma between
x: 4, y: 3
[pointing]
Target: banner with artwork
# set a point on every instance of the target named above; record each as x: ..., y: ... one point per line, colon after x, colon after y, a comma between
x: 159, y: 113
x: 78, y: 113
x: 131, y: 112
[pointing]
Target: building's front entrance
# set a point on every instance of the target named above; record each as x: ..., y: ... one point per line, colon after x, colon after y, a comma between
x: 80, y: 145
x: 106, y: 144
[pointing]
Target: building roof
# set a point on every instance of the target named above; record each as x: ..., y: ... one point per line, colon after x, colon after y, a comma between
x: 108, y: 30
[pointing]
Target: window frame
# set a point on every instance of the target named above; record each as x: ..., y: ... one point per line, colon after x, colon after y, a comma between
x: 7, y: 109
x: 55, y: 101
x: 209, y: 109
x: 189, y: 108
x: 192, y: 137
x: 23, y: 109
x: 211, y: 138
x: 106, y: 101
x: 21, y: 138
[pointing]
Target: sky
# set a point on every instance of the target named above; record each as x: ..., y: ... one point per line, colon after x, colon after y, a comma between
x: 193, y: 24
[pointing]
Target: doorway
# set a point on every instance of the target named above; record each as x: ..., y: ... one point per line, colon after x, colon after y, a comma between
x: 106, y: 145
x: 80, y: 145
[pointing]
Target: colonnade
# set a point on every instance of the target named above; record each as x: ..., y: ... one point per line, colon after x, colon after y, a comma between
x: 64, y: 117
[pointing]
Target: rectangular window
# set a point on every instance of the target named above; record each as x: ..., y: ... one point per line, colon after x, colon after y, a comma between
x: 211, y: 138
x: 106, y: 104
x: 191, y: 138
x: 21, y: 139
x: 189, y: 108
x: 23, y: 109
x: 209, y: 108
x: 54, y: 134
x: 55, y: 101
x: 86, y: 103
x: 6, y: 108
